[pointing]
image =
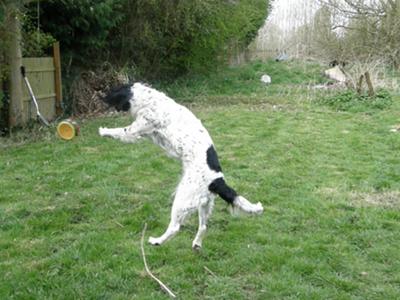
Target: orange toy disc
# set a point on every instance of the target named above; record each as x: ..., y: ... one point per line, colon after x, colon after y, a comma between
x: 66, y: 130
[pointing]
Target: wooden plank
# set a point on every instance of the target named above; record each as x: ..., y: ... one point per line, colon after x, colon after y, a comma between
x: 46, y: 107
x: 41, y: 83
x: 37, y: 63
x: 39, y: 97
x: 41, y: 70
x: 57, y: 77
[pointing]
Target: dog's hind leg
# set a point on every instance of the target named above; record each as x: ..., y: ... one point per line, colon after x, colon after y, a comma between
x: 204, y: 213
x: 172, y: 229
x: 184, y: 204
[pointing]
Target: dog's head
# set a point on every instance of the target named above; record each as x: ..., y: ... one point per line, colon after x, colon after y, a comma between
x: 120, y: 97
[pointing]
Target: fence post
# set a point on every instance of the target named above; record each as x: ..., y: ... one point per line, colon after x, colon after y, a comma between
x: 57, y: 77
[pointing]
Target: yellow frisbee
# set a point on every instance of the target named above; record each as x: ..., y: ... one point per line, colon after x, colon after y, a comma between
x: 67, y: 130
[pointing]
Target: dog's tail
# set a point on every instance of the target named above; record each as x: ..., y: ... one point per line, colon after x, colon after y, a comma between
x: 219, y: 186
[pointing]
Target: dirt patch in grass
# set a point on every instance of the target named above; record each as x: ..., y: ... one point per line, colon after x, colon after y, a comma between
x: 387, y: 199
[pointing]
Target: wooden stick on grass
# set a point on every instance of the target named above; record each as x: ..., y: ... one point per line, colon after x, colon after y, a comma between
x: 119, y: 224
x: 209, y: 271
x: 162, y: 285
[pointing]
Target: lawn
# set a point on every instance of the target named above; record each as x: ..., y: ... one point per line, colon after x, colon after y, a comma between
x: 72, y: 213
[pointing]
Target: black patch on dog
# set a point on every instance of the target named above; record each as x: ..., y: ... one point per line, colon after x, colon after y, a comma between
x: 212, y: 159
x: 219, y: 186
x: 119, y: 97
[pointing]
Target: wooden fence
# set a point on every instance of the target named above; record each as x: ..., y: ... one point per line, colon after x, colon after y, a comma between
x: 44, y: 75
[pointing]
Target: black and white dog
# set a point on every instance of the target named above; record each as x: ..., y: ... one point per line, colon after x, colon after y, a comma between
x: 175, y: 129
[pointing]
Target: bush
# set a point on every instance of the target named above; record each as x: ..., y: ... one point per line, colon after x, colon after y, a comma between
x: 354, y: 102
x: 160, y: 38
x: 152, y: 39
x: 81, y: 26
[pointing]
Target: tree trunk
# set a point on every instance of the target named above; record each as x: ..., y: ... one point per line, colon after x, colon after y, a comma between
x: 15, y: 60
x: 359, y: 84
x: 371, y: 91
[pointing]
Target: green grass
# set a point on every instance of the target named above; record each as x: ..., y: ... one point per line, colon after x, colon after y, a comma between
x: 71, y: 213
x: 244, y: 80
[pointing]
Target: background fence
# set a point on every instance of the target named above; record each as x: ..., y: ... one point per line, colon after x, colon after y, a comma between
x: 44, y: 75
x: 40, y: 73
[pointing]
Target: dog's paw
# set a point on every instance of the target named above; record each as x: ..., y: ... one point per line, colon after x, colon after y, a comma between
x: 154, y: 241
x: 196, y: 247
x: 102, y: 131
x: 258, y: 208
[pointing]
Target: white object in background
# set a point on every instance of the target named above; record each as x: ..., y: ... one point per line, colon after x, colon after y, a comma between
x: 336, y: 73
x: 266, y: 79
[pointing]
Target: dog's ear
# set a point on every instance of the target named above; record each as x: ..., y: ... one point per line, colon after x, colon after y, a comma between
x: 125, y: 106
x: 120, y: 97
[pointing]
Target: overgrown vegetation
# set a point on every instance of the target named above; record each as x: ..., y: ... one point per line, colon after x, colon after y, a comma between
x: 71, y: 213
x: 352, y: 101
x: 342, y: 30
x: 149, y: 40
x: 368, y: 30
x: 159, y: 38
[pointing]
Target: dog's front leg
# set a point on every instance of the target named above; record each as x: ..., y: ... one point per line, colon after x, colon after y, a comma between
x: 129, y: 134
x: 119, y: 134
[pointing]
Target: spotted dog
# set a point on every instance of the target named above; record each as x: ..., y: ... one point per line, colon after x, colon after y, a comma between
x: 175, y: 129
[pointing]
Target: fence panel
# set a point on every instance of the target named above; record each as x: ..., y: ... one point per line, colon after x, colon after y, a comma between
x: 40, y: 72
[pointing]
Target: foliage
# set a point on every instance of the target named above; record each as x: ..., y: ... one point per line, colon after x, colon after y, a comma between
x: 369, y: 30
x: 4, y: 36
x: 347, y: 31
x: 81, y: 26
x: 149, y: 39
x: 35, y: 42
x: 352, y: 101
x: 158, y: 37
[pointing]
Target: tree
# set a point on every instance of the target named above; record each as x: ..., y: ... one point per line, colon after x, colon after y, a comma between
x: 370, y: 28
x: 158, y: 38
x: 14, y: 58
x: 83, y: 27
x: 11, y: 50
x: 326, y: 42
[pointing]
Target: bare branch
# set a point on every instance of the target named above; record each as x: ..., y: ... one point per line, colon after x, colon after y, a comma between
x: 209, y: 271
x: 162, y: 285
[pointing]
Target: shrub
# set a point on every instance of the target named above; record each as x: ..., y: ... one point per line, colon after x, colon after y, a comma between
x: 158, y: 37
x: 351, y: 101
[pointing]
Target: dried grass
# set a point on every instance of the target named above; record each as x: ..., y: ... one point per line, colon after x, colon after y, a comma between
x: 88, y: 89
x: 388, y: 199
